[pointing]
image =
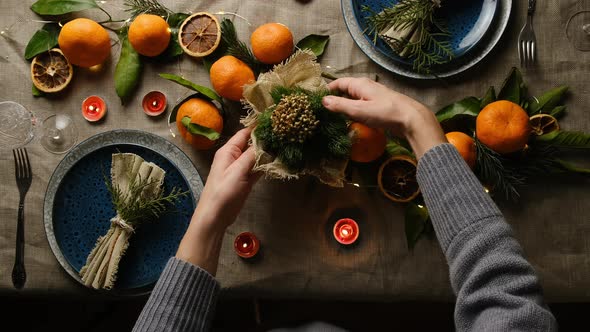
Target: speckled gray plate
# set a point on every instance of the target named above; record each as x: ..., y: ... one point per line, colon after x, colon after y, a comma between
x: 81, y: 213
x: 456, y: 66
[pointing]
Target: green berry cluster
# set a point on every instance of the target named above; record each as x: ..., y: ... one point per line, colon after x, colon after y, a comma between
x: 293, y: 120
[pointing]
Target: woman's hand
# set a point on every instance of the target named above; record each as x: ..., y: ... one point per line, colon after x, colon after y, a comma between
x: 228, y: 185
x: 378, y: 106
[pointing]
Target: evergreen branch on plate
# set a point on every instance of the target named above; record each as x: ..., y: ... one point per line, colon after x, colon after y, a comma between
x: 410, y: 29
x: 137, y: 7
x: 134, y: 207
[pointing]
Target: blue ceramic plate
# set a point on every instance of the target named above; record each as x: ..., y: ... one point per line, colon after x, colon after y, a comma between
x: 78, y: 207
x: 476, y: 26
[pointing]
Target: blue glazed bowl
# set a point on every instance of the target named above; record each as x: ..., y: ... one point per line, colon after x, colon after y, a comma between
x: 78, y: 207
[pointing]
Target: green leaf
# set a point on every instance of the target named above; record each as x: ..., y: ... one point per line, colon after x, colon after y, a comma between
x: 468, y: 106
x: 174, y: 49
x: 60, y: 7
x: 489, y: 98
x: 315, y: 43
x: 393, y: 148
x: 565, y: 139
x: 43, y: 40
x: 416, y: 218
x: 514, y: 88
x: 128, y: 69
x: 548, y: 101
x: 196, y: 129
x: 558, y: 111
x: 572, y: 168
x: 210, y: 94
x: 36, y: 92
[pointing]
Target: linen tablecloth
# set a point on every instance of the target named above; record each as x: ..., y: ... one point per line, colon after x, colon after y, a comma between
x: 299, y: 258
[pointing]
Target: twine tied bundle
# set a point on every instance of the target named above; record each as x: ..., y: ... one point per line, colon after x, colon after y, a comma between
x: 134, y: 182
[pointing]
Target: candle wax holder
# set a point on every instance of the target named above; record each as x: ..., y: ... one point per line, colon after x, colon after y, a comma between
x: 94, y: 108
x: 346, y: 231
x: 154, y: 103
x: 246, y: 245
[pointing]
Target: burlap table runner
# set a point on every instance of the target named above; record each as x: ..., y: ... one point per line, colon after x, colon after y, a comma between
x: 291, y: 219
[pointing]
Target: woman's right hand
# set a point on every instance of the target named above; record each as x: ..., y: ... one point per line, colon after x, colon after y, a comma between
x: 378, y: 106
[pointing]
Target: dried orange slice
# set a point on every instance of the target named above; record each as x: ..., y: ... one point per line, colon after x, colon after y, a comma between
x: 397, y: 179
x: 543, y: 124
x: 199, y: 35
x: 51, y: 71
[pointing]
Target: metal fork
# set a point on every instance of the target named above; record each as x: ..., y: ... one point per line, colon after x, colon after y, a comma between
x: 527, y: 42
x: 24, y: 177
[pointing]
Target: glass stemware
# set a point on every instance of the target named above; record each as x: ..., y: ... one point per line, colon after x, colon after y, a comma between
x: 59, y: 133
x: 578, y: 27
x: 17, y: 125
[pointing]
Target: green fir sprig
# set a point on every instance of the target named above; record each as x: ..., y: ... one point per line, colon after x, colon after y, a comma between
x: 134, y: 207
x: 493, y: 171
x: 232, y: 45
x: 426, y: 42
x: 137, y: 7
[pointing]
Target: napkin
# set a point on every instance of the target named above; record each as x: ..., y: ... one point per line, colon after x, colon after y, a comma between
x: 132, y: 179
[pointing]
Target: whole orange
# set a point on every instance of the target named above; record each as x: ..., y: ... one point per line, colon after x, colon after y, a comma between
x: 84, y: 42
x: 149, y: 34
x: 203, y: 113
x: 465, y: 145
x: 503, y: 126
x: 272, y: 43
x: 368, y: 143
x: 228, y: 77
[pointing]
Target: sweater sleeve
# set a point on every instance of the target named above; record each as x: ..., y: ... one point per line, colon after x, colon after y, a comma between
x: 496, y: 287
x: 183, y: 299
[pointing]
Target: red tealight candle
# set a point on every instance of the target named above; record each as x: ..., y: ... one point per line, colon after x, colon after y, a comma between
x: 246, y: 245
x: 346, y: 231
x: 154, y: 103
x: 94, y: 108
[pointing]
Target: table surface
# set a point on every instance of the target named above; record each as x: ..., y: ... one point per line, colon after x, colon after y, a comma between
x: 291, y: 219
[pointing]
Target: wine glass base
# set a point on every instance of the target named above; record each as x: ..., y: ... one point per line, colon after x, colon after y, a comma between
x: 578, y: 30
x: 59, y: 134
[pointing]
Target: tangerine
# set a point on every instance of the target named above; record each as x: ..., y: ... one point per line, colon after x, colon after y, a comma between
x: 368, y: 143
x: 149, y: 34
x: 228, y: 77
x: 203, y: 113
x: 503, y: 126
x: 465, y: 145
x: 272, y: 43
x: 84, y: 42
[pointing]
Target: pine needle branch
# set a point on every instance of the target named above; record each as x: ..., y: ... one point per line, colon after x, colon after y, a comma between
x: 493, y: 171
x: 234, y: 46
x: 137, y: 7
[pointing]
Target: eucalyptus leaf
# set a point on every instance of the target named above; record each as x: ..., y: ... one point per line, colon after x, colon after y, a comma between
x: 393, y: 148
x: 128, y: 69
x: 315, y: 43
x: 197, y: 129
x: 489, y: 98
x: 468, y: 106
x: 565, y: 139
x: 514, y: 88
x: 173, y: 50
x: 558, y: 111
x: 548, y: 101
x: 42, y: 41
x: 60, y: 7
x: 416, y: 218
x: 36, y: 92
x: 210, y: 94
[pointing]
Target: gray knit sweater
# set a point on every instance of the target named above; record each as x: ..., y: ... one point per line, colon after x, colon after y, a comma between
x: 496, y: 288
